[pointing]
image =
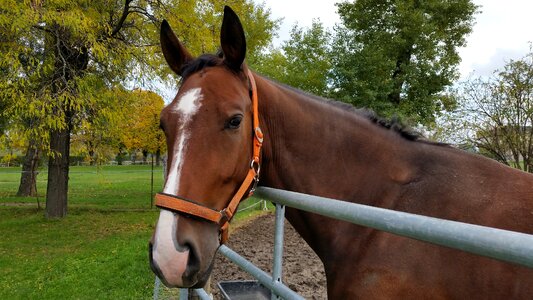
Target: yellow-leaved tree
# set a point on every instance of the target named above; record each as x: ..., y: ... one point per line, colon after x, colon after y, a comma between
x: 141, y: 131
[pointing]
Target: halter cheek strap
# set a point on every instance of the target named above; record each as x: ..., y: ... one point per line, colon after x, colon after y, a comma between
x: 222, y: 217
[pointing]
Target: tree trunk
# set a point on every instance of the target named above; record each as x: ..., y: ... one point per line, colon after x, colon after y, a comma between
x: 71, y: 59
x: 92, y: 157
x: 145, y: 156
x: 28, y: 179
x: 58, y: 167
x: 398, y: 76
x: 158, y: 157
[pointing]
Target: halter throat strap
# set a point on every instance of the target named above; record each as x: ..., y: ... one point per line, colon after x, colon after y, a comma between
x: 222, y: 217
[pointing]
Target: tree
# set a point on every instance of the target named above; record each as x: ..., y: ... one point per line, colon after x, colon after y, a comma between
x: 396, y: 56
x: 3, y: 119
x: 53, y: 52
x: 20, y: 134
x: 498, y: 112
x: 141, y: 130
x: 99, y: 133
x: 11, y: 143
x: 25, y: 128
x: 28, y: 178
x: 303, y: 61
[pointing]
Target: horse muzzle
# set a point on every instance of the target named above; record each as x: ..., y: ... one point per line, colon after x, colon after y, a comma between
x: 185, y: 258
x: 172, y: 269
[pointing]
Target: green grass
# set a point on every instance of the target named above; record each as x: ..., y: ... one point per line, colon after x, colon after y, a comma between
x: 99, y: 251
x: 88, y: 255
x: 96, y: 187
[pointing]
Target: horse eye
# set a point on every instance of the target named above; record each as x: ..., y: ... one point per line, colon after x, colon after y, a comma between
x: 234, y: 122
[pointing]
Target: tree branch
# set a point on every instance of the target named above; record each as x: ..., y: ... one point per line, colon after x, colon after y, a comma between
x: 42, y: 28
x: 122, y: 19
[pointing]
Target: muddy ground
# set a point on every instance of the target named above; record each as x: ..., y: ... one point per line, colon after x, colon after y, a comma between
x: 302, y: 270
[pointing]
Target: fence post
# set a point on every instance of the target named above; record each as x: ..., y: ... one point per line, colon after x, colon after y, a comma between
x: 164, y: 164
x: 184, y: 294
x: 157, y: 285
x: 152, y: 185
x: 278, y: 246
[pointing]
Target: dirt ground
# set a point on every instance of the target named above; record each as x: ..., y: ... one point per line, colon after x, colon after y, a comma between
x: 302, y: 270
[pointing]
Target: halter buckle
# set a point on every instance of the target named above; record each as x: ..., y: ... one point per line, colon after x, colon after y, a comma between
x: 259, y: 134
x: 224, y: 217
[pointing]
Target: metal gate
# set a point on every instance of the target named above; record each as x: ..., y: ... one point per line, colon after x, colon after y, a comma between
x: 504, y: 245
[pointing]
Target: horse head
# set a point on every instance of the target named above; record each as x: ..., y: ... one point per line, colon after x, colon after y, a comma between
x: 208, y: 128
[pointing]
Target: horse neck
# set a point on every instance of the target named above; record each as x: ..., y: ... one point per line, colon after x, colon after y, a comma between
x: 316, y: 148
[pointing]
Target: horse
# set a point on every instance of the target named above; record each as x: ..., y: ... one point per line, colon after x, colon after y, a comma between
x: 317, y: 146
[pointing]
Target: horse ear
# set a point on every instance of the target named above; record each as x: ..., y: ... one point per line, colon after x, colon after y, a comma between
x: 232, y: 39
x: 175, y: 53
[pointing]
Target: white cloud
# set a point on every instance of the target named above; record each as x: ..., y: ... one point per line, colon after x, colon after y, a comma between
x: 302, y: 13
x: 496, y: 62
x: 501, y: 33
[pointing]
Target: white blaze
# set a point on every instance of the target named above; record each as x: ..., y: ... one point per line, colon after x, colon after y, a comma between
x: 187, y: 107
x: 172, y: 262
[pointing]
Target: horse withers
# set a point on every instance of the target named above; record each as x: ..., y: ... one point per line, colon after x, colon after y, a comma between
x: 329, y: 149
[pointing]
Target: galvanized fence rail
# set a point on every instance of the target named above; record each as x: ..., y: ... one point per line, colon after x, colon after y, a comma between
x: 504, y: 245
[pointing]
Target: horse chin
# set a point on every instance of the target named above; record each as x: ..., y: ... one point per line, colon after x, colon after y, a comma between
x: 201, y: 279
x: 192, y: 280
x: 193, y: 277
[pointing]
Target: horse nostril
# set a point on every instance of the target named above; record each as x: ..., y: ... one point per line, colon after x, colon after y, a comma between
x: 193, y: 262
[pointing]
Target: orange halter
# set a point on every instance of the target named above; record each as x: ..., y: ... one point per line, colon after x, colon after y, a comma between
x: 222, y: 217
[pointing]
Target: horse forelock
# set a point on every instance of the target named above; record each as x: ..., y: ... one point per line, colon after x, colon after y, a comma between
x: 200, y: 63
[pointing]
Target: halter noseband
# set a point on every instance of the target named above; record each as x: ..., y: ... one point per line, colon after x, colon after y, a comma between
x: 222, y: 217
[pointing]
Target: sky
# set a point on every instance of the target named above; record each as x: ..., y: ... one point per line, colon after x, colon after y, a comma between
x: 502, y: 31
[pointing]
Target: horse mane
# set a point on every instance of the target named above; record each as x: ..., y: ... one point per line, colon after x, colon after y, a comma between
x: 394, y: 124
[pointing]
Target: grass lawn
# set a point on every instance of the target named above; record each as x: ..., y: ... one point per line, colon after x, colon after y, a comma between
x: 88, y: 255
x: 99, y: 251
x: 96, y: 187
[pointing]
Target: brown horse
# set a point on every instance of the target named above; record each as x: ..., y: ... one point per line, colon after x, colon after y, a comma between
x: 324, y: 148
